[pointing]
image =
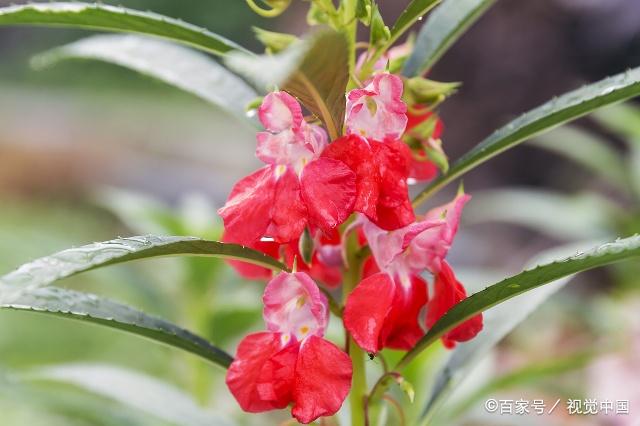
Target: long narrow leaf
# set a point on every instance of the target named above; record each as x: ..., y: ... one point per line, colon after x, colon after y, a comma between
x: 443, y: 27
x: 90, y: 308
x: 412, y: 13
x: 616, y: 251
x: 178, y: 66
x: 103, y: 17
x: 565, y: 108
x: 499, y: 321
x: 46, y: 270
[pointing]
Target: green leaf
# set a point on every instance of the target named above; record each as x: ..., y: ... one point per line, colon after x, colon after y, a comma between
x: 178, y: 66
x: 97, y: 310
x: 558, y: 215
x: 499, y: 321
x: 444, y: 26
x: 568, y: 107
x: 47, y: 270
x: 315, y: 71
x: 413, y: 13
x: 132, y: 389
x: 606, y: 254
x: 103, y: 17
x: 586, y: 149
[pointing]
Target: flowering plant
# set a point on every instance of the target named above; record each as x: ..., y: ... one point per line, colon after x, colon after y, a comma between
x: 345, y: 130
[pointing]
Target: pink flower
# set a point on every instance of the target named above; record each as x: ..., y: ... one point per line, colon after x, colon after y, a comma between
x: 297, y: 188
x: 289, y: 139
x: 383, y: 309
x: 377, y: 111
x: 291, y: 363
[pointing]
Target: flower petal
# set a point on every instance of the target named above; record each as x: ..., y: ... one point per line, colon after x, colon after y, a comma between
x: 422, y: 169
x: 322, y: 380
x: 356, y: 153
x: 394, y: 208
x: 274, y: 148
x: 329, y: 191
x: 430, y: 247
x: 367, y: 309
x: 261, y: 377
x: 377, y: 111
x: 385, y: 245
x: 448, y: 291
x: 280, y: 111
x: 403, y: 330
x: 247, y: 213
x: 294, y: 304
x: 288, y: 213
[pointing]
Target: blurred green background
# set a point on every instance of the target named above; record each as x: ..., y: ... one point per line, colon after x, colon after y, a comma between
x: 90, y: 151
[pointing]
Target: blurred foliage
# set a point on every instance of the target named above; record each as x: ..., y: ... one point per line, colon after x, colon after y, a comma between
x: 18, y: 45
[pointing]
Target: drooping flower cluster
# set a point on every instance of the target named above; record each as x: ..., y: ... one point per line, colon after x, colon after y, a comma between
x: 292, y: 209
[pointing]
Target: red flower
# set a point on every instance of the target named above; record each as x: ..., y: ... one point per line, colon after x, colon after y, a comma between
x: 383, y: 310
x: 448, y: 291
x: 291, y: 363
x: 381, y: 170
x: 297, y: 188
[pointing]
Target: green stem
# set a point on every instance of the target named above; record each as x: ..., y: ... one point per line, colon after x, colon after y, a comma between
x: 359, y: 382
x: 358, y: 386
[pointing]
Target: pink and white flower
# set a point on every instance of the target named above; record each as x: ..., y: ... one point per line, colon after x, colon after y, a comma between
x: 383, y: 309
x: 377, y: 111
x: 297, y: 187
x: 291, y: 363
